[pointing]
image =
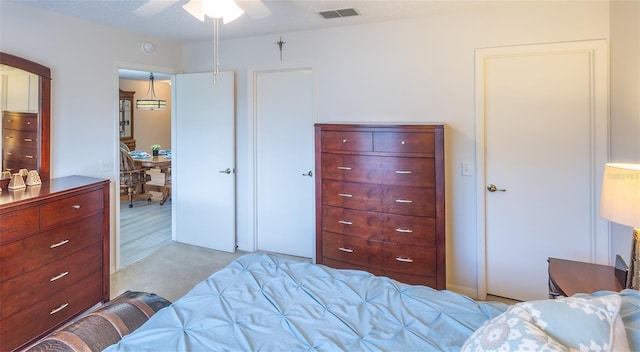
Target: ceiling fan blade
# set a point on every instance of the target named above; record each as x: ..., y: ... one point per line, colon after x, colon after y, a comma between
x: 254, y: 8
x: 194, y: 8
x: 153, y: 7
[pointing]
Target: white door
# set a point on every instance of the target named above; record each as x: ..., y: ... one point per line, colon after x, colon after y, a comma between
x: 203, y: 173
x: 285, y: 162
x: 542, y: 114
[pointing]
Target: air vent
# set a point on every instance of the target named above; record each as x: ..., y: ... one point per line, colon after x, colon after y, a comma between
x: 338, y: 13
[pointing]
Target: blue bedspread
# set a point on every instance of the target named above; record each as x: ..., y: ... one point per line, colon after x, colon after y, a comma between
x: 262, y: 302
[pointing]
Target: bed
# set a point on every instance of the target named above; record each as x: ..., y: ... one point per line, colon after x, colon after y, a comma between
x: 262, y: 302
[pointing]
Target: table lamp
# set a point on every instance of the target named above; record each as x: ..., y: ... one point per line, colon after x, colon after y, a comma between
x: 620, y: 203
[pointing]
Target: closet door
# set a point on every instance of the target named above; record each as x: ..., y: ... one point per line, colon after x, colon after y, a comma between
x: 203, y: 174
x: 542, y: 112
x: 285, y: 162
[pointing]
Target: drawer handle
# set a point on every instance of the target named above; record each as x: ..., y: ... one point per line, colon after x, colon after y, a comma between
x: 61, y: 243
x: 348, y: 250
x: 344, y: 140
x: 9, y: 153
x: 76, y: 206
x: 403, y: 201
x: 58, y: 309
x: 344, y: 168
x: 28, y: 140
x: 345, y: 195
x: 404, y: 172
x: 402, y: 142
x: 29, y: 156
x: 345, y: 222
x: 404, y: 260
x: 8, y: 137
x: 59, y: 276
x: 404, y: 230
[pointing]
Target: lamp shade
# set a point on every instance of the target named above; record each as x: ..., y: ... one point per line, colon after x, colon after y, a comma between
x: 620, y: 200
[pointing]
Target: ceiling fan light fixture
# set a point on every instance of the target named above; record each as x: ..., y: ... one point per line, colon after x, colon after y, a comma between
x: 151, y: 103
x: 228, y: 10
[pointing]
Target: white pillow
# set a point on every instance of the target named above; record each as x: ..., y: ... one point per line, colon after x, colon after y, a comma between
x: 564, y: 324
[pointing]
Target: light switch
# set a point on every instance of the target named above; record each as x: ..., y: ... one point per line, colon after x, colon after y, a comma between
x: 466, y: 169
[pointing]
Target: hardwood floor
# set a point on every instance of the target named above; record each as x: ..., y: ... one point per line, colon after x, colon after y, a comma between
x: 144, y: 229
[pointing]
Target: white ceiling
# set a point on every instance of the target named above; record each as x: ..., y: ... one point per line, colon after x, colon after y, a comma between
x: 174, y: 23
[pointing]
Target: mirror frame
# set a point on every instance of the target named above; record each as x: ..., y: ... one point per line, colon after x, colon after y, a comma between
x: 44, y: 111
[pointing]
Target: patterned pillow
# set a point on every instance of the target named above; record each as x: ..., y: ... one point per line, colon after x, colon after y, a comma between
x: 564, y: 324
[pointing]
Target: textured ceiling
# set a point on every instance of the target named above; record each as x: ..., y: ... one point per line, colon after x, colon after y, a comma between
x: 174, y: 23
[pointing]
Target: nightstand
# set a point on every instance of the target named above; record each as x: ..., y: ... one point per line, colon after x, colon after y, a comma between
x: 568, y: 277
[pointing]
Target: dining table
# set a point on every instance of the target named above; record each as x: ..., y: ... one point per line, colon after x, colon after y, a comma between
x: 157, y: 162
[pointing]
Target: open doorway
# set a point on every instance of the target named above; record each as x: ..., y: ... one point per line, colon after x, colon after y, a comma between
x: 145, y: 220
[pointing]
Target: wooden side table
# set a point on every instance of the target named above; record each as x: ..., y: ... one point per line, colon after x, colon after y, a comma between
x: 568, y: 277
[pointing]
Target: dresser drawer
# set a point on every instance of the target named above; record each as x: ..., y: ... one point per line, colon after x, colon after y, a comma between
x: 25, y: 290
x: 414, y: 172
x: 409, y: 230
x: 350, y: 222
x: 36, y: 320
x: 14, y: 165
x: 17, y: 224
x: 355, y: 168
x: 15, y: 153
x: 347, y: 141
x: 70, y: 208
x: 31, y: 253
x: 392, y: 257
x: 409, y: 201
x: 362, y: 196
x: 430, y: 281
x: 404, y: 142
x: 19, y: 139
x: 21, y: 121
x: 380, y: 227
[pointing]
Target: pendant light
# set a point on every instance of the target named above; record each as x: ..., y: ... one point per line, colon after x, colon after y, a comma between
x: 151, y: 103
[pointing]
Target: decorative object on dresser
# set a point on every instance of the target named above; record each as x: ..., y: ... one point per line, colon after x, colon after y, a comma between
x: 54, y: 256
x: 380, y: 203
x: 620, y: 203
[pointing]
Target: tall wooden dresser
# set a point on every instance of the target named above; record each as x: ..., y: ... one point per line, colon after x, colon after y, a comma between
x: 54, y: 256
x: 19, y: 141
x: 380, y: 200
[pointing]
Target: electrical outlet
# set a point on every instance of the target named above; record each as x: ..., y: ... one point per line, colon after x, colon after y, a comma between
x: 466, y: 169
x: 106, y: 165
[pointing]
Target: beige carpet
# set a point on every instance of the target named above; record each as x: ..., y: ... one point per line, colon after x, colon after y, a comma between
x: 170, y: 272
x: 173, y: 270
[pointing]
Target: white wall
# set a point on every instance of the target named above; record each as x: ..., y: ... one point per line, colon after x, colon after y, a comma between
x: 419, y: 70
x: 84, y: 59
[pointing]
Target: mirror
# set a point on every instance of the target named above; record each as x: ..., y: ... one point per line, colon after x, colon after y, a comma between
x: 25, y: 103
x: 125, y: 119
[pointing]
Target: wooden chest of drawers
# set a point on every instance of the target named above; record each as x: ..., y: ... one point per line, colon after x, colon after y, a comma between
x: 19, y: 141
x: 380, y: 200
x: 54, y: 256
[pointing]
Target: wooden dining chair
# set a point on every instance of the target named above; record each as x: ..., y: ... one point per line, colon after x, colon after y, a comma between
x: 166, y: 190
x: 132, y: 179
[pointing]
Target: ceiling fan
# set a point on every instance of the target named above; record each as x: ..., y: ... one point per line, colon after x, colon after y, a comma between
x: 212, y: 8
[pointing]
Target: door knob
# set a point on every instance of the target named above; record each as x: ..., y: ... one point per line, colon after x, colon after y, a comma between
x: 227, y: 171
x: 310, y: 174
x: 493, y: 188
